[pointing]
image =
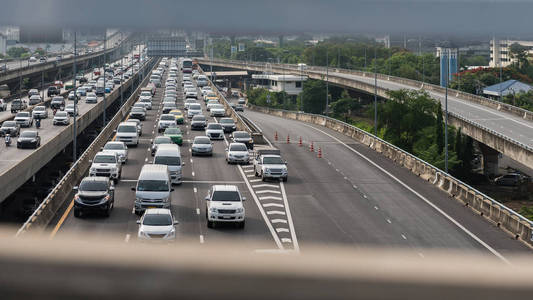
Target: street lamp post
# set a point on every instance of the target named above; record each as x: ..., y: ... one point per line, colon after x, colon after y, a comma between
x: 375, y: 94
x: 74, y: 128
x: 327, y: 82
x: 105, y: 102
x: 446, y: 114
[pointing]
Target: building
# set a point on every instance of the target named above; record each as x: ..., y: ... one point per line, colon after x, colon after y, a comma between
x: 384, y: 40
x: 291, y: 84
x: 41, y: 34
x: 500, y: 51
x: 509, y: 87
x: 172, y: 46
x: 12, y: 33
x: 448, y: 64
x: 3, y: 44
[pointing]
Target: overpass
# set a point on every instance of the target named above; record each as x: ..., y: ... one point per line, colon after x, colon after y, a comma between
x: 19, y: 165
x: 502, y: 127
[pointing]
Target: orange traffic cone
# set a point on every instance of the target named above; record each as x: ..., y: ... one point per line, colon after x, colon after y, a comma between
x: 276, y: 136
x: 319, y: 152
x: 288, y: 139
x: 300, y: 144
x: 311, y: 147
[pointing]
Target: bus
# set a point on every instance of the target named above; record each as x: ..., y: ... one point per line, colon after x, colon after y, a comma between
x: 186, y: 65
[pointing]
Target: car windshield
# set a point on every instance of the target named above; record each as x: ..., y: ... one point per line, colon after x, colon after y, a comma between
x: 114, y: 146
x: 172, y: 131
x: 157, y: 220
x: 202, y: 140
x: 127, y: 128
x: 61, y: 114
x: 195, y: 107
x: 137, y: 109
x: 227, y: 121
x: 39, y: 108
x: 23, y: 114
x: 272, y: 161
x: 167, y: 160
x: 218, y: 106
x: 198, y: 118
x: 146, y: 94
x: 28, y: 134
x: 105, y: 159
x: 152, y: 186
x: 168, y: 118
x: 169, y: 104
x: 162, y: 140
x: 92, y: 185
x: 238, y: 148
x: 232, y: 196
x: 241, y: 135
x: 9, y: 124
x: 214, y: 126
x: 171, y: 99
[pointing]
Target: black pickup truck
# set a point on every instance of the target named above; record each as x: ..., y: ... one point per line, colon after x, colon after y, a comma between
x: 53, y: 90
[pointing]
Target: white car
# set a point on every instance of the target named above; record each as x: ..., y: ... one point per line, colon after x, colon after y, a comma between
x: 61, y: 117
x: 166, y: 121
x: 189, y: 102
x: 202, y: 145
x: 147, y: 102
x: 157, y: 223
x: 210, y: 104
x: 218, y: 110
x: 40, y: 112
x: 191, y: 94
x: 91, y: 98
x: 237, y: 153
x: 119, y: 148
x: 139, y: 125
x: 107, y: 164
x: 224, y: 203
x: 214, y: 131
x: 35, y: 99
x: 24, y: 119
x: 194, y: 109
x: 70, y: 109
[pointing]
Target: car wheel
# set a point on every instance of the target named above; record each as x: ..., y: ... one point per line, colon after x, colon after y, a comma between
x: 77, y: 213
x: 241, y: 225
x: 210, y: 224
x: 263, y: 178
x: 256, y: 174
x: 285, y: 179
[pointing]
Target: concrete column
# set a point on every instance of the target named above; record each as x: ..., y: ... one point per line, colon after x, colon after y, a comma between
x: 490, y: 160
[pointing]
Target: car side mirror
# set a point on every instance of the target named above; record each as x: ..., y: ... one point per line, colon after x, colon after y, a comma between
x: 206, y: 198
x: 75, y: 188
x: 139, y: 222
x: 183, y: 164
x: 133, y: 188
x: 176, y: 222
x: 101, y: 148
x: 286, y: 163
x: 171, y: 189
x: 114, y: 131
x: 111, y: 188
x: 243, y: 199
x: 90, y: 161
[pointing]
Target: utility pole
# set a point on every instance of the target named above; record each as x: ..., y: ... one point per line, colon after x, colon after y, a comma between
x: 365, y: 57
x: 74, y: 128
x: 42, y: 86
x: 375, y: 95
x: 105, y: 102
x: 446, y: 114
x: 501, y: 79
x: 327, y: 82
x: 121, y: 81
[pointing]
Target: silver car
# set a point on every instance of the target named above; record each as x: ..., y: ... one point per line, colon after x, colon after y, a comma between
x: 202, y: 145
x: 40, y: 112
x: 119, y: 148
x: 61, y: 118
x: 237, y: 153
x: 157, y: 224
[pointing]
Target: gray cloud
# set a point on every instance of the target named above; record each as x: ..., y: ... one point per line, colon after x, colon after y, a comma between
x: 276, y: 16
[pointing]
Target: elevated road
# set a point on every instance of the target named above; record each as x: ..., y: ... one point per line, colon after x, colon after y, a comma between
x: 351, y: 196
x: 19, y: 165
x: 502, y: 127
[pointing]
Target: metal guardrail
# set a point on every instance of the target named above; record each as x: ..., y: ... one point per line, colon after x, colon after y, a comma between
x: 416, y: 84
x: 42, y: 216
x: 427, y: 167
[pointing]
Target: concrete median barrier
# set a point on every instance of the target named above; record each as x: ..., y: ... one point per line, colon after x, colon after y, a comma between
x: 62, y: 192
x: 500, y: 215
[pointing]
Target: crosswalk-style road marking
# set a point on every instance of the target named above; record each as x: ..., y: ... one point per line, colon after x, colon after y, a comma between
x: 273, y: 205
x: 275, y: 212
x: 274, y: 221
x: 268, y: 191
x: 270, y: 198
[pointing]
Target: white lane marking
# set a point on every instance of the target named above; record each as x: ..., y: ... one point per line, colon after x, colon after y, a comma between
x: 270, y: 198
x: 254, y: 180
x: 148, y: 148
x: 197, y: 211
x: 127, y: 238
x: 279, y: 221
x: 266, y: 185
x: 190, y: 150
x: 247, y: 167
x: 389, y: 221
x: 195, y: 190
x: 276, y: 212
x: 468, y: 232
x: 192, y: 173
x: 282, y: 230
x: 273, y: 205
x: 248, y: 171
x: 404, y: 237
x: 268, y: 191
x: 273, y: 251
x: 262, y: 211
x: 146, y: 159
x: 133, y: 210
x: 286, y: 240
x: 201, y: 239
x: 289, y: 217
x: 191, y: 160
x: 252, y: 175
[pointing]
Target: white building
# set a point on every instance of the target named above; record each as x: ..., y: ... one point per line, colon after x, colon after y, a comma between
x: 500, y: 52
x: 3, y: 44
x: 291, y: 84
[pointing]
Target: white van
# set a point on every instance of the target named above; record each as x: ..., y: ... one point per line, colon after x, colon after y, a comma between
x: 127, y: 132
x: 169, y: 155
x: 153, y: 188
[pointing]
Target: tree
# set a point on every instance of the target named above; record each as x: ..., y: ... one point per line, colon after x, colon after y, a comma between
x: 314, y: 96
x: 439, y: 130
x: 16, y: 52
x: 345, y: 106
x: 519, y: 53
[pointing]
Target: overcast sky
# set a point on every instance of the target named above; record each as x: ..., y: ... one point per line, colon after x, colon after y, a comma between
x: 455, y: 17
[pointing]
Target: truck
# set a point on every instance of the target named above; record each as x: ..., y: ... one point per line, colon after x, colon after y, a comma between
x: 268, y: 164
x: 100, y: 89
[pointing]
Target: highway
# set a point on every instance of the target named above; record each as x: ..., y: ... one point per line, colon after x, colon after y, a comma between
x: 10, y: 156
x: 351, y: 196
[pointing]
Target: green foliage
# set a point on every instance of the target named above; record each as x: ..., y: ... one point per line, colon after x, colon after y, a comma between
x: 527, y: 211
x: 439, y: 130
x: 344, y: 106
x: 476, y: 60
x: 17, y: 52
x: 314, y: 96
x: 260, y: 97
x: 40, y: 51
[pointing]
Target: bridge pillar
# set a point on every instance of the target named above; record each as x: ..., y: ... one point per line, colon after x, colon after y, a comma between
x: 490, y: 160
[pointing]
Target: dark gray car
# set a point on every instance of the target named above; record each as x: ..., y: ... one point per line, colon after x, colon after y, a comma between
x: 94, y: 194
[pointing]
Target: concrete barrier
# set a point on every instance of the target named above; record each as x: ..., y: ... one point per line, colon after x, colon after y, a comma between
x: 63, y: 190
x: 510, y: 221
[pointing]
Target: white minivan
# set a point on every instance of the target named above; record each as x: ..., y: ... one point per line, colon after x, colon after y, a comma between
x: 169, y: 155
x: 127, y: 132
x: 153, y: 188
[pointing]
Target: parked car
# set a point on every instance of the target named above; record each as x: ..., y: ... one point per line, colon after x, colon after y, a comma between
x: 94, y: 194
x: 29, y: 139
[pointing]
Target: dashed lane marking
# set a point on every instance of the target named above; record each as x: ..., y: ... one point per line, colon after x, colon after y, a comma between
x: 275, y: 221
x: 286, y: 240
x: 273, y: 205
x: 282, y: 230
x: 268, y: 191
x: 195, y: 190
x: 201, y: 239
x: 270, y: 198
x: 266, y: 185
x: 197, y: 211
x: 276, y: 212
x: 127, y: 238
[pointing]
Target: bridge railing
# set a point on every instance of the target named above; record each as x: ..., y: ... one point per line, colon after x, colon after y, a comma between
x: 499, y: 214
x: 47, y: 210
